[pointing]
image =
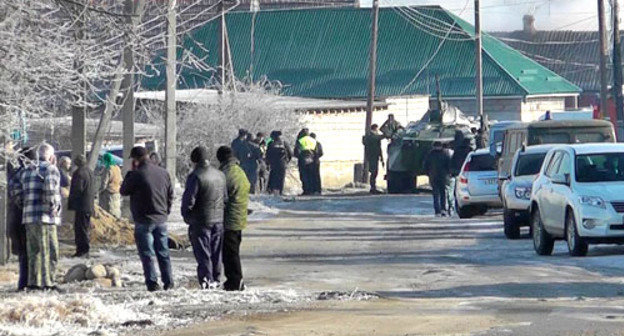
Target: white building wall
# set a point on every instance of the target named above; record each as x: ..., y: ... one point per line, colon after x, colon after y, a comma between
x: 341, y: 134
x: 501, y: 109
x: 533, y: 108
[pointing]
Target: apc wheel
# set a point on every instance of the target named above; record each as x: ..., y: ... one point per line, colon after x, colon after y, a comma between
x: 542, y: 241
x: 577, y: 246
x: 510, y: 224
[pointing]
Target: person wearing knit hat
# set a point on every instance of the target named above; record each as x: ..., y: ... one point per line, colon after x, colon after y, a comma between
x: 203, y: 205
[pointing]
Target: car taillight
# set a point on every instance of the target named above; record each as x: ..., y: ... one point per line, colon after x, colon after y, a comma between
x: 463, y: 179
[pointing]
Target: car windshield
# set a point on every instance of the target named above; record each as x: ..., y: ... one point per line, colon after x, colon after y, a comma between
x: 602, y: 167
x: 529, y: 164
x: 482, y: 162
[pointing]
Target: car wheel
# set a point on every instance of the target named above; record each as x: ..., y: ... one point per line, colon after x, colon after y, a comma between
x: 482, y: 210
x: 510, y: 224
x: 464, y: 212
x: 577, y: 246
x: 542, y: 241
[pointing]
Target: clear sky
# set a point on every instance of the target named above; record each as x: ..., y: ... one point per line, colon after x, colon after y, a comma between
x: 506, y: 15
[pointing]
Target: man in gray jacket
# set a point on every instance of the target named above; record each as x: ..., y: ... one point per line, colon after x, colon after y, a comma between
x: 203, y: 206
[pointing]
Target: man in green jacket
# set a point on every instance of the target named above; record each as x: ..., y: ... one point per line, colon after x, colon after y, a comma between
x: 235, y: 221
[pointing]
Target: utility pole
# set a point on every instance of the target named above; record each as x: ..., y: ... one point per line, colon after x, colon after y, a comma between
x: 372, y: 72
x: 479, y: 74
x: 79, y: 113
x: 617, y: 72
x: 170, y: 117
x: 222, y: 47
x: 127, y: 109
x: 604, y: 59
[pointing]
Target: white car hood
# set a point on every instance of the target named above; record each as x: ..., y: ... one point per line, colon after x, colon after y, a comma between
x: 609, y: 191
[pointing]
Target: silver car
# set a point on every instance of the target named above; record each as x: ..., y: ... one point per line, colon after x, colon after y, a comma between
x: 516, y: 188
x: 476, y: 188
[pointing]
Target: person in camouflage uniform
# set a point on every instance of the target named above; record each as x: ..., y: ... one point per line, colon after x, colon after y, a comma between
x: 41, y: 200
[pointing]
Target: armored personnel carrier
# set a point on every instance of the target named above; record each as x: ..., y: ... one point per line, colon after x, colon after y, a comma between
x: 409, y: 146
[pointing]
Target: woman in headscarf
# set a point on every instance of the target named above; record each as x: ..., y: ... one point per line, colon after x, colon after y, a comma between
x: 110, y: 199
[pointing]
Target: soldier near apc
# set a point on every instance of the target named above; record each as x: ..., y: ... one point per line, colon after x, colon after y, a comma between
x: 373, y: 154
x: 390, y: 127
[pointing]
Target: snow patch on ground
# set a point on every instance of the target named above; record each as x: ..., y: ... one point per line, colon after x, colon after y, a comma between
x: 53, y: 314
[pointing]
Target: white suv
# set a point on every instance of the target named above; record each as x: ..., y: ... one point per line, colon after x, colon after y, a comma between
x: 516, y: 188
x: 476, y: 188
x: 579, y: 196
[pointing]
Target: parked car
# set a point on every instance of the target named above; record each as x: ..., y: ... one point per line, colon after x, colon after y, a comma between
x: 551, y: 132
x: 579, y: 196
x: 476, y: 188
x: 516, y: 188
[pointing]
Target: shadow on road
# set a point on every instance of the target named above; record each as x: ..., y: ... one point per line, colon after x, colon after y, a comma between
x: 518, y: 290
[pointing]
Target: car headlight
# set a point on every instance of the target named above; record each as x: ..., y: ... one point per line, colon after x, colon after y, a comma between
x: 523, y: 193
x: 594, y: 201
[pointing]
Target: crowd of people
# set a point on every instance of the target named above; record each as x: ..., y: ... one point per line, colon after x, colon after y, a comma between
x: 214, y: 205
x: 262, y: 158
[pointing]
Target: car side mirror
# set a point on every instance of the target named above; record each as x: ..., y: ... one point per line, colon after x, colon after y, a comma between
x: 561, y: 179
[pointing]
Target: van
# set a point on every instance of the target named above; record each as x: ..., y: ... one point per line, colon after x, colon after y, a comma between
x: 497, y: 134
x: 551, y: 132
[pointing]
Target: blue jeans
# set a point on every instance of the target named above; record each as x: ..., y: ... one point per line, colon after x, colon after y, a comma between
x: 439, y: 196
x: 152, y: 240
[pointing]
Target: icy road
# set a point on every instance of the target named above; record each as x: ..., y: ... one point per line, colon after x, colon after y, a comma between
x: 435, y: 276
x: 349, y: 265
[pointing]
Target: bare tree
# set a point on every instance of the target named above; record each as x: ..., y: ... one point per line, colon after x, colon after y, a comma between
x: 63, y: 54
x: 256, y: 107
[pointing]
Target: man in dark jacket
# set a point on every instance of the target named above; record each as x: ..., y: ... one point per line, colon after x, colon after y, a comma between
x: 373, y: 154
x: 317, y: 187
x: 81, y: 196
x: 151, y: 197
x: 203, y: 206
x: 240, y: 146
x: 235, y: 217
x: 437, y: 166
x: 278, y: 156
x: 250, y: 165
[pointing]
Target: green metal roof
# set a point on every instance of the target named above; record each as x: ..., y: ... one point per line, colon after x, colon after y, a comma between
x: 323, y: 53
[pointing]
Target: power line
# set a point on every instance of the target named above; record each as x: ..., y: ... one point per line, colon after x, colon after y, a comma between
x: 435, y: 53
